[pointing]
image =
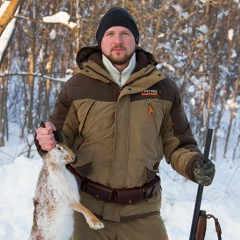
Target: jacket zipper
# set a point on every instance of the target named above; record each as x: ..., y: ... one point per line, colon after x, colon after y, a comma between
x: 120, y: 80
x: 150, y: 112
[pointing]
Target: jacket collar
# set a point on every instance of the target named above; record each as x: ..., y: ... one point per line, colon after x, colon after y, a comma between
x: 94, y: 53
x: 90, y: 62
x: 120, y: 77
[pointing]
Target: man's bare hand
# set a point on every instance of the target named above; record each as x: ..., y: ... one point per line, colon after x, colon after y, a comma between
x: 45, y: 136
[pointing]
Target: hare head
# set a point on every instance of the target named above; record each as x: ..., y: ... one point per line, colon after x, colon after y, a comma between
x: 61, y: 154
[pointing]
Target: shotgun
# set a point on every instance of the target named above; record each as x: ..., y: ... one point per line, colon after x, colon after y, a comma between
x: 196, y: 213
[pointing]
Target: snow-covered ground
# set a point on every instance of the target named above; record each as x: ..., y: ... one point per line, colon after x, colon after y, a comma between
x: 18, y: 176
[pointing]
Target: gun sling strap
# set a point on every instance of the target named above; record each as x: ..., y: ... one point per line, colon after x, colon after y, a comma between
x: 202, y: 226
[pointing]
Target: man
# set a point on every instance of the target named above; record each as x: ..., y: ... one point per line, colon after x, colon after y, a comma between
x: 120, y: 115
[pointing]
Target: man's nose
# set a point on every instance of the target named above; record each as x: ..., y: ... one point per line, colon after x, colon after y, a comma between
x: 118, y: 38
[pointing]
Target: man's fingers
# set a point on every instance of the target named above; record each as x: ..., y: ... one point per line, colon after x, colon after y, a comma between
x: 45, y: 136
x: 48, y: 145
x: 42, y: 131
x: 50, y: 126
x: 47, y: 142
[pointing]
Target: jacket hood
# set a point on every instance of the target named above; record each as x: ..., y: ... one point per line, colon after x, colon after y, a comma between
x: 84, y: 54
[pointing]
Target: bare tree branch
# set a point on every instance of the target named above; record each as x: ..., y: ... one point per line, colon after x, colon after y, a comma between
x: 8, y: 15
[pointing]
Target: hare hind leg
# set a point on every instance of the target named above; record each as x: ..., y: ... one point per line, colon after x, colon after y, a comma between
x: 91, y: 219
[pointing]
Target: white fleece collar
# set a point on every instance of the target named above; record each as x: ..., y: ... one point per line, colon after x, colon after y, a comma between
x: 120, y: 77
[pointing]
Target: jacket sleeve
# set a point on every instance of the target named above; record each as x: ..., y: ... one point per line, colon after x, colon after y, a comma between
x: 180, y: 146
x: 64, y: 118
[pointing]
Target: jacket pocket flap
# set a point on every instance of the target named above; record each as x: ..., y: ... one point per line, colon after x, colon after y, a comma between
x: 85, y: 169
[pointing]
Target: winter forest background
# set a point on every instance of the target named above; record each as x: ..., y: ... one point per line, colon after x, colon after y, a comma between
x: 196, y: 43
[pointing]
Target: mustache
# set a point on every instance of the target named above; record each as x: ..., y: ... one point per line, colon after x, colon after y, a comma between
x: 118, y: 47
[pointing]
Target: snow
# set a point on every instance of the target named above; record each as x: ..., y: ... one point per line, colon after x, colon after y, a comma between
x: 3, y: 7
x: 192, y: 101
x: 4, y: 38
x: 234, y: 53
x: 203, y: 29
x: 192, y: 89
x: 161, y: 35
x: 52, y: 34
x: 19, y: 176
x: 230, y: 34
x: 60, y: 17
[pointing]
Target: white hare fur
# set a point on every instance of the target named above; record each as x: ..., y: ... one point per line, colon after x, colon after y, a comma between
x: 55, y: 198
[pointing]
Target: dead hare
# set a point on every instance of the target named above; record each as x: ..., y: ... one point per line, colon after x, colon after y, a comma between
x: 56, y: 198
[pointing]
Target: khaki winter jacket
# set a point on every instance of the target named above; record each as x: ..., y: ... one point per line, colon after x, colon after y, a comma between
x: 126, y: 132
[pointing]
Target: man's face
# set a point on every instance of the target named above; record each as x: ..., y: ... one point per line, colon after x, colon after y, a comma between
x: 118, y: 45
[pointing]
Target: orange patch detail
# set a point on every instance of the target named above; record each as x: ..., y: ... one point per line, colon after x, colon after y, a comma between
x: 149, y: 93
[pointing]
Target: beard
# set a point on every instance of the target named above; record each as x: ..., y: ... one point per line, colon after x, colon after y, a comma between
x: 117, y: 59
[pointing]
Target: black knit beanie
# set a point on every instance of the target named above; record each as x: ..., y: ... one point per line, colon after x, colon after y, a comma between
x: 116, y: 17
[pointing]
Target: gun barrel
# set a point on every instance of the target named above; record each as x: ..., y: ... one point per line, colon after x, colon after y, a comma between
x: 200, y: 188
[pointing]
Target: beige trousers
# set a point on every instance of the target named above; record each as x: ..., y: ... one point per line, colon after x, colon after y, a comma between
x: 147, y: 228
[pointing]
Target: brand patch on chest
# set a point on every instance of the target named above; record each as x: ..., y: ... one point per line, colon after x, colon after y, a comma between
x: 149, y: 92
